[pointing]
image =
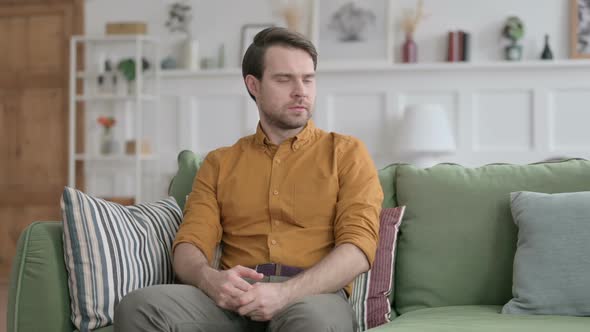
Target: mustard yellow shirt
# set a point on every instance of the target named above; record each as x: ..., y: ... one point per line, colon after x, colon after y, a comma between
x: 289, y: 204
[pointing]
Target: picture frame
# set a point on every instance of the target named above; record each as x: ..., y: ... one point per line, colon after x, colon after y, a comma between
x: 247, y: 36
x: 354, y: 31
x: 580, y: 29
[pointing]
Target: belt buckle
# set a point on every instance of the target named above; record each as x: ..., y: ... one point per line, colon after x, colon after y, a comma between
x: 278, y: 269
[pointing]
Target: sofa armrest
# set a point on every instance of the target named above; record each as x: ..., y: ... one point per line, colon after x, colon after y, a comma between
x: 39, y: 299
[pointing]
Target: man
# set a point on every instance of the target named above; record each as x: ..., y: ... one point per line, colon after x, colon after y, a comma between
x: 295, y: 208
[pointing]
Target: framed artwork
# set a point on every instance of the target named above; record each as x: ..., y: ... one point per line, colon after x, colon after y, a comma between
x: 248, y: 33
x: 580, y: 29
x: 354, y: 31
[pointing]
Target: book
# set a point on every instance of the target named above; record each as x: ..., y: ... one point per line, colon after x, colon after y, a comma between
x: 466, y: 55
x: 460, y: 44
x: 452, y: 46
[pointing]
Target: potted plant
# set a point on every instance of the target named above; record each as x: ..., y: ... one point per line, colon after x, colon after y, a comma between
x: 127, y: 69
x: 513, y: 31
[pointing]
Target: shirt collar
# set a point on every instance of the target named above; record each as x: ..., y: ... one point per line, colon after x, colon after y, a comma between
x: 303, y: 136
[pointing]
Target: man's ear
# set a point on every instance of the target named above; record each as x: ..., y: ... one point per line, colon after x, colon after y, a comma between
x: 253, y: 85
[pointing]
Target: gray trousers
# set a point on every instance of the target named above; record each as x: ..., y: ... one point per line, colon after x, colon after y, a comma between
x: 184, y: 308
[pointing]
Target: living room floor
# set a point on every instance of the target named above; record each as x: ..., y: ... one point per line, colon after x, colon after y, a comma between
x: 3, y: 300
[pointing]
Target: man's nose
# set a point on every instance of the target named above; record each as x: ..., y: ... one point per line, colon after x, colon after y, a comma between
x: 299, y: 90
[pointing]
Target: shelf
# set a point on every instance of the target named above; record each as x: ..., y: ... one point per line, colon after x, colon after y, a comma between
x: 454, y: 66
x: 180, y: 73
x: 94, y: 74
x: 115, y: 38
x: 114, y: 98
x: 115, y: 157
x: 371, y: 66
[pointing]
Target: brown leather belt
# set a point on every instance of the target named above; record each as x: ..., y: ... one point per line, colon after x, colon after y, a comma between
x: 280, y: 270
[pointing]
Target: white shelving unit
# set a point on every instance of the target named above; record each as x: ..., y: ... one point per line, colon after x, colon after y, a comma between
x: 135, y: 101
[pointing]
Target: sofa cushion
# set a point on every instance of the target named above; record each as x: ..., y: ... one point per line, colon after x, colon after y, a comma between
x: 480, y: 319
x: 552, y: 262
x: 110, y: 250
x: 370, y: 294
x: 457, y: 243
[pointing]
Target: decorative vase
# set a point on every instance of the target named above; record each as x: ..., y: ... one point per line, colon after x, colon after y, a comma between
x: 409, y: 50
x: 131, y: 88
x: 190, y: 54
x: 547, y: 54
x: 107, y: 142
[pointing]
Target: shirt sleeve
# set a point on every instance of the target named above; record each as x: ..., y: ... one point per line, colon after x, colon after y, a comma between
x: 201, y: 225
x: 359, y: 199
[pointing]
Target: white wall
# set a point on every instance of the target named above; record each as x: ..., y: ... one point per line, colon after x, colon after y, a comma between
x: 219, y: 22
x: 518, y: 113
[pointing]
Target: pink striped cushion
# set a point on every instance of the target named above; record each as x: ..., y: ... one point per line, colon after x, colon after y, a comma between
x: 370, y: 295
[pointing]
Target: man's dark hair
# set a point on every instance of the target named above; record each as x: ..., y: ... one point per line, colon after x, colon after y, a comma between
x: 253, y: 62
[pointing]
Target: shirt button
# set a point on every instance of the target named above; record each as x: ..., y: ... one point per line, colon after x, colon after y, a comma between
x: 277, y: 222
x: 278, y: 161
x: 276, y: 192
x: 273, y: 242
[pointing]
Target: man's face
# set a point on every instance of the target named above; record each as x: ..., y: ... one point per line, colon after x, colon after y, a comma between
x: 286, y: 94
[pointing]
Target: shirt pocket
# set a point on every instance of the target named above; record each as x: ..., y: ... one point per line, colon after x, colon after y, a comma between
x: 314, y: 200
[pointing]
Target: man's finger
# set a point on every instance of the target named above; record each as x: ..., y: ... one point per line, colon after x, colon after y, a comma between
x: 231, y: 291
x: 245, y: 272
x: 242, y: 284
x: 246, y: 298
x: 231, y: 304
x: 248, y: 309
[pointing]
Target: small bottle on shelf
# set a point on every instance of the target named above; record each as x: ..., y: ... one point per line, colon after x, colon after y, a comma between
x: 547, y: 53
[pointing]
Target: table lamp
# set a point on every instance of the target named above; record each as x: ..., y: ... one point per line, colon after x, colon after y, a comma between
x: 425, y: 134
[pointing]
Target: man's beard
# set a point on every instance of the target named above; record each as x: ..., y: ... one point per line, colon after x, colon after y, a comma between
x: 285, y: 121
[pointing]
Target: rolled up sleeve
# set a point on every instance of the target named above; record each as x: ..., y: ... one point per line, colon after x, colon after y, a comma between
x: 359, y: 198
x: 201, y: 225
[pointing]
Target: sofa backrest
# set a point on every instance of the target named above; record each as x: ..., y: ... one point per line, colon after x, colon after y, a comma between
x: 387, y: 180
x: 182, y: 183
x: 457, y: 241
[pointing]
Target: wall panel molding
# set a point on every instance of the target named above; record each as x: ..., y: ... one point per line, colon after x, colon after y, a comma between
x: 508, y: 112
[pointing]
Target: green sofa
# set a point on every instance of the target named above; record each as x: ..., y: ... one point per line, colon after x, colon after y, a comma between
x: 453, y: 261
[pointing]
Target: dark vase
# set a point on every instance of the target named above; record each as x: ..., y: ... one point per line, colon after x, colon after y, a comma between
x: 409, y: 50
x: 547, y: 53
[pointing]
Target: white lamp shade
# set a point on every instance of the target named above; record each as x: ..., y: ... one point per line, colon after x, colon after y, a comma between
x: 425, y: 128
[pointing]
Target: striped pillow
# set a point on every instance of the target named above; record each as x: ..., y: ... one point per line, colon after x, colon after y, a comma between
x: 370, y: 295
x: 111, y: 250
